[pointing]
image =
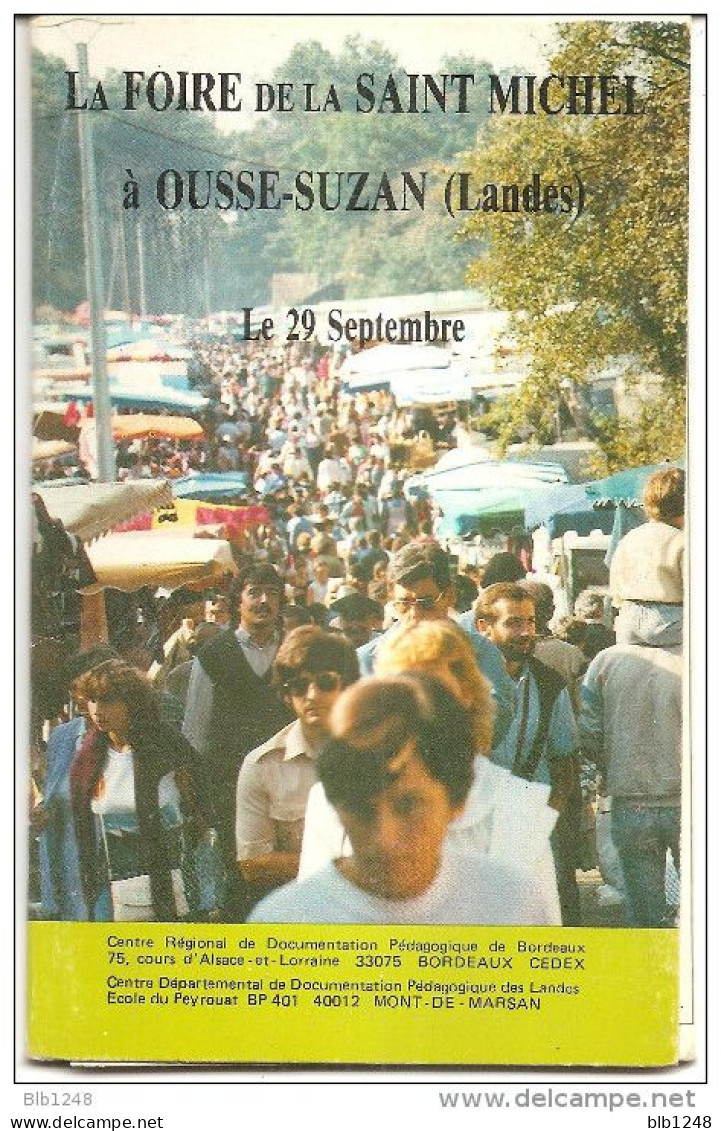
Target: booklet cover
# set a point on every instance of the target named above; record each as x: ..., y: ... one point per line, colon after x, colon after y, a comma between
x: 309, y: 296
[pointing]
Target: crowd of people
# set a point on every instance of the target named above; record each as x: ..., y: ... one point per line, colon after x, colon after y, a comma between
x: 353, y: 731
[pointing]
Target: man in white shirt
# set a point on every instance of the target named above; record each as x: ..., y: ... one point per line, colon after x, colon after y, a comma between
x: 310, y: 670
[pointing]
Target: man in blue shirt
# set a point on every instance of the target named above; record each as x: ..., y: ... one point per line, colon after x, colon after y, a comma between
x: 542, y: 741
x: 421, y: 588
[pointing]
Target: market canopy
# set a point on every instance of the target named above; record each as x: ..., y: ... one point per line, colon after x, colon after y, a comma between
x: 140, y: 425
x: 156, y: 393
x: 492, y: 510
x: 227, y: 520
x: 480, y: 495
x: 65, y: 373
x: 377, y: 367
x: 567, y: 507
x: 51, y: 449
x: 473, y: 470
x: 154, y: 558
x: 395, y: 359
x: 625, y: 486
x: 91, y: 509
x: 149, y: 349
x: 584, y: 507
x: 212, y: 487
x: 430, y: 386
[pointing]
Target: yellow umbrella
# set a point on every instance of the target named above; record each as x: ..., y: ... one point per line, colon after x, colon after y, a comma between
x: 139, y: 425
x: 150, y: 557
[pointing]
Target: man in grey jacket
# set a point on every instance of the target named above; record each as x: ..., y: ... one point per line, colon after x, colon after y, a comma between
x: 631, y: 726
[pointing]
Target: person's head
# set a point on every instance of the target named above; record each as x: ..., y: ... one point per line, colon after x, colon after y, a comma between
x: 589, y: 606
x: 442, y: 650
x: 397, y: 769
x: 502, y: 567
x: 311, y: 670
x: 216, y: 609
x: 323, y: 544
x: 506, y: 614
x: 80, y: 692
x: 322, y: 572
x: 356, y: 616
x: 378, y: 591
x: 465, y: 592
x: 303, y: 542
x: 293, y: 616
x: 79, y: 666
x: 542, y: 596
x: 121, y: 700
x: 256, y: 599
x: 374, y: 539
x: 358, y: 577
x: 420, y: 582
x: 664, y: 496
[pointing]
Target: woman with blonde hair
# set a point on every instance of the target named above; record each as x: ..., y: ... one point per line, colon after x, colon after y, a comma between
x: 505, y: 818
x: 445, y: 651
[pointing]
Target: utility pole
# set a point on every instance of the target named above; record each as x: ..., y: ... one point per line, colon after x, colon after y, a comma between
x: 141, y: 266
x: 207, y: 284
x: 113, y: 264
x: 94, y: 279
x: 127, y: 303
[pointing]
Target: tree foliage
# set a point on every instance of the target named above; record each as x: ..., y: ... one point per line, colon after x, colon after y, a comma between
x: 607, y: 288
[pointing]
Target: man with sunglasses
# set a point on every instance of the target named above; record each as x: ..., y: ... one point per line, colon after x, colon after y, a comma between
x: 310, y: 671
x: 421, y: 588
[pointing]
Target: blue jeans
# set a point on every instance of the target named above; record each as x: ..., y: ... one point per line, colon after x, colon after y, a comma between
x: 642, y: 835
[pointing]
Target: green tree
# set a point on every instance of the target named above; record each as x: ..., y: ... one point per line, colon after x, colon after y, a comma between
x: 364, y: 253
x: 607, y: 287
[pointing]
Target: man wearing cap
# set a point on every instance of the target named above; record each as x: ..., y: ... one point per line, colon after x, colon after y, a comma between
x: 356, y: 617
x: 421, y: 588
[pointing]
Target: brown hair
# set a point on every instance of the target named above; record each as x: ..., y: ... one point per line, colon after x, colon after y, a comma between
x: 375, y: 719
x: 418, y: 561
x: 485, y: 606
x: 116, y: 682
x: 308, y: 648
x: 663, y: 495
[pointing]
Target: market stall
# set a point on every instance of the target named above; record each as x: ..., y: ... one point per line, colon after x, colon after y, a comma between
x: 133, y: 560
x: 90, y: 509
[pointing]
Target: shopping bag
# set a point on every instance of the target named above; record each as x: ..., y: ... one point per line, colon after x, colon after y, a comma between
x: 132, y: 898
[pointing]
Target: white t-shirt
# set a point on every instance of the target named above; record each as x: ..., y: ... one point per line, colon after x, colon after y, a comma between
x: 505, y: 819
x: 467, y: 889
x: 115, y: 791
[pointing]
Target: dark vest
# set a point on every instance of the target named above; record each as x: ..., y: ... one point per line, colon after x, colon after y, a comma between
x: 550, y: 685
x: 247, y: 710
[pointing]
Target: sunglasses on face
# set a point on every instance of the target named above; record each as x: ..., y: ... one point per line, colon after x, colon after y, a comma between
x: 323, y: 681
x: 422, y: 604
